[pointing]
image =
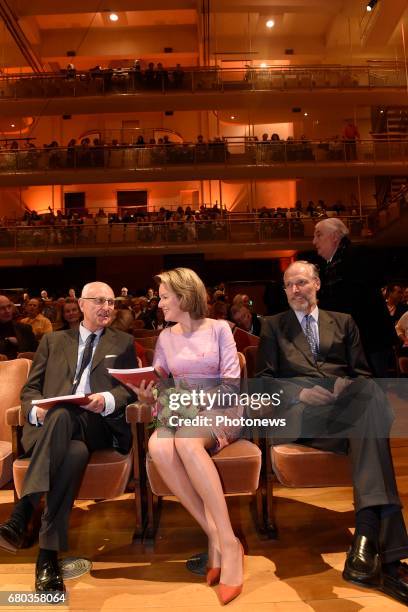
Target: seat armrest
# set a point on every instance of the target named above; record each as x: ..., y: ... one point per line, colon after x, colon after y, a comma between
x: 138, y: 413
x: 15, y: 417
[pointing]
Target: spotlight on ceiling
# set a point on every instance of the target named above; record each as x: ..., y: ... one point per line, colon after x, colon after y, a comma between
x: 12, y: 125
x: 381, y: 112
x: 305, y: 114
x: 371, y: 5
x: 113, y: 17
x: 232, y: 117
x: 270, y: 23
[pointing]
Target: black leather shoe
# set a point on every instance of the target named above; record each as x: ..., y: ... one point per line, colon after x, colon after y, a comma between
x: 12, y: 535
x: 363, y: 565
x: 397, y: 585
x: 48, y: 577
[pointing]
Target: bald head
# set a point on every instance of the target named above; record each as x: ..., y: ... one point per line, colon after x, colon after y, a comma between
x: 328, y: 235
x: 89, y: 289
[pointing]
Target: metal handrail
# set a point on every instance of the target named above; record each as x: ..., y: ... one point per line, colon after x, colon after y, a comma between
x: 61, y: 237
x: 199, y: 79
x: 247, y: 152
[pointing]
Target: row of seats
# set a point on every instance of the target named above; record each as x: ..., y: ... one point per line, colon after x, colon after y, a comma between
x: 246, y: 467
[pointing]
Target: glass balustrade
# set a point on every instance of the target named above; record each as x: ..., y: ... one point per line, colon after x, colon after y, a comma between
x: 219, y: 152
x: 210, y: 79
x: 226, y: 228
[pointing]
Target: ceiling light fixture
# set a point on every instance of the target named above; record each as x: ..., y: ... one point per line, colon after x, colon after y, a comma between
x: 371, y: 5
x: 232, y: 117
x: 263, y: 65
x: 305, y: 114
x: 381, y: 112
x: 270, y: 23
x: 113, y: 17
x: 12, y: 125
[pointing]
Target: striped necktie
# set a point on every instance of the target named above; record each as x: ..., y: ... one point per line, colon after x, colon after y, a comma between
x: 311, y: 338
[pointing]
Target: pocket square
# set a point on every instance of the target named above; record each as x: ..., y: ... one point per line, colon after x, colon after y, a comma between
x: 107, y: 356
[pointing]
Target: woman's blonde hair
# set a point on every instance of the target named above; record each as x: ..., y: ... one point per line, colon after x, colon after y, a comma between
x: 189, y: 288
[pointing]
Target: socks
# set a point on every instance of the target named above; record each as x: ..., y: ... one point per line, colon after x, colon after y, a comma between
x: 391, y: 569
x: 46, y: 555
x: 23, y: 511
x: 368, y: 523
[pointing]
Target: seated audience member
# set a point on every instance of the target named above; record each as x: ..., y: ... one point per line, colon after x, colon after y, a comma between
x: 351, y: 284
x: 71, y: 314
x: 14, y: 337
x: 405, y: 296
x: 198, y: 348
x: 60, y: 440
x: 39, y: 324
x: 245, y: 319
x: 402, y: 330
x: 219, y: 310
x: 123, y: 320
x: 315, y: 361
x: 394, y: 301
x: 242, y: 299
x: 158, y: 320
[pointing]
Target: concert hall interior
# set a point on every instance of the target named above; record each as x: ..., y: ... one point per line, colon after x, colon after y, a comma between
x: 142, y: 136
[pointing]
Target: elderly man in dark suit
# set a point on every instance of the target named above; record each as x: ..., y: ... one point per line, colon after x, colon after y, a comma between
x: 60, y: 440
x: 14, y: 337
x: 315, y: 359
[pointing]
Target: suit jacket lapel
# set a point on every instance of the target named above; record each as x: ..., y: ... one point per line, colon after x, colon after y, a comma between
x: 70, y: 347
x: 326, y: 334
x: 294, y: 333
x: 105, y: 345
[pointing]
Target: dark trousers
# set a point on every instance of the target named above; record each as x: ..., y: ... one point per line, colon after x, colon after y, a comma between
x: 359, y: 424
x: 58, y: 460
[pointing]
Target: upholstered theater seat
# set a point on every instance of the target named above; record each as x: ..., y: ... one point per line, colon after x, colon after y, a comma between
x: 106, y: 476
x: 13, y: 375
x: 296, y: 465
x: 238, y: 465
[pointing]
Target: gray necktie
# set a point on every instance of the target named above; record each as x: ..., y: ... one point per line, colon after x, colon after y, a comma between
x: 311, y: 338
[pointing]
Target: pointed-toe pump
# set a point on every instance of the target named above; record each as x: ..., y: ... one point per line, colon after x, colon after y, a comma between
x: 226, y: 592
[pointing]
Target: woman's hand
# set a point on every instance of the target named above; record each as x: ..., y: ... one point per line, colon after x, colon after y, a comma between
x: 144, y: 394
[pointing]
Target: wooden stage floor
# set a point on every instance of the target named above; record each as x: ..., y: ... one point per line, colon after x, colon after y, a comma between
x: 300, y: 571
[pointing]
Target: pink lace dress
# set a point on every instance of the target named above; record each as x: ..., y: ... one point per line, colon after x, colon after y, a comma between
x: 206, y: 359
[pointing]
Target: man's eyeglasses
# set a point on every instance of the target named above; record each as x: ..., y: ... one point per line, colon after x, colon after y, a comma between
x: 300, y: 283
x: 100, y: 301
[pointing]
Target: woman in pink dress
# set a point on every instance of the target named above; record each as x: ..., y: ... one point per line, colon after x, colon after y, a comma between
x: 203, y: 352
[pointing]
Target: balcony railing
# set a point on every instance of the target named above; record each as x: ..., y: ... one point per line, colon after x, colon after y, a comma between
x: 248, y: 153
x: 128, y: 81
x: 231, y: 229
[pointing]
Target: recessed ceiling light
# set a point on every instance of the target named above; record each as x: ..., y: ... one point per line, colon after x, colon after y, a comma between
x: 232, y: 117
x: 263, y: 65
x: 381, y: 112
x: 113, y: 17
x: 369, y: 9
x: 305, y: 114
x: 270, y: 23
x: 12, y: 125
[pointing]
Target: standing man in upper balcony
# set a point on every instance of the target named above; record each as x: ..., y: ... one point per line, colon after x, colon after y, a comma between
x: 351, y: 284
x: 350, y: 137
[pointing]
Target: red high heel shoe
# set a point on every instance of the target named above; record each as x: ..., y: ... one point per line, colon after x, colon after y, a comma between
x: 227, y: 593
x: 213, y: 575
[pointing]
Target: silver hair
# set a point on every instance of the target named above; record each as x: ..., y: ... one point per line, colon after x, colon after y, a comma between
x: 335, y: 225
